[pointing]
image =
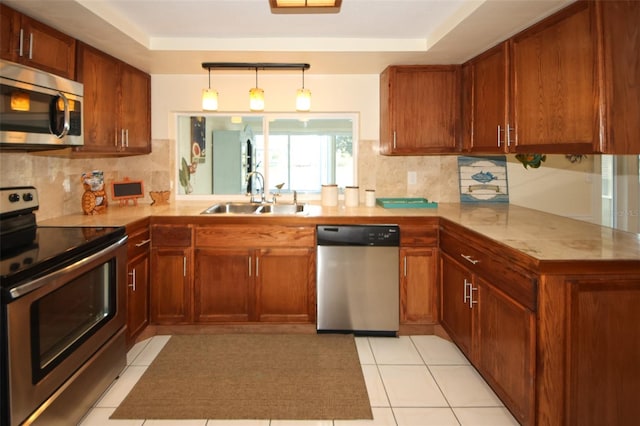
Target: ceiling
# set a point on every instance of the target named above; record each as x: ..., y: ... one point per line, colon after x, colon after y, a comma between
x: 176, y: 36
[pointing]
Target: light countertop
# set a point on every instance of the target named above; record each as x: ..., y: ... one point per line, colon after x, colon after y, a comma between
x: 542, y: 236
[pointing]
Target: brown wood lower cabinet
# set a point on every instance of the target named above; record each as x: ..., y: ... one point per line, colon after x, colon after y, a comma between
x: 170, y: 288
x: 505, y: 348
x: 254, y: 273
x: 493, y: 329
x: 171, y: 270
x: 138, y: 270
x: 223, y: 285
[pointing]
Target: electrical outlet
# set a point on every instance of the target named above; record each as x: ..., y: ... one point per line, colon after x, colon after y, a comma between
x: 412, y: 178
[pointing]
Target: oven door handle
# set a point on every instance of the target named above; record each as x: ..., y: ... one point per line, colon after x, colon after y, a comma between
x: 30, y: 286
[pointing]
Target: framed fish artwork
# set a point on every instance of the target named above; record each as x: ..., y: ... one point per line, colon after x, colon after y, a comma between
x: 483, y: 179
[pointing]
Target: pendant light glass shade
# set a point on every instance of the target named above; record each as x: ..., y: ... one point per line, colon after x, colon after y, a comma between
x: 303, y: 100
x: 209, y: 99
x: 303, y: 97
x: 256, y: 99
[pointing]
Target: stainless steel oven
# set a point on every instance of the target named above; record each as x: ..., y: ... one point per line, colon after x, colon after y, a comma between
x: 63, y: 318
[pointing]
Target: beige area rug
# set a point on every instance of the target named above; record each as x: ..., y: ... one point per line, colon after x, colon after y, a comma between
x: 251, y: 376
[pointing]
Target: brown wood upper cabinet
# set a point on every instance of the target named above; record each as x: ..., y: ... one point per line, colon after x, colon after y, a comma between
x: 568, y: 84
x: 419, y: 109
x: 29, y: 42
x: 485, y: 102
x: 117, y: 105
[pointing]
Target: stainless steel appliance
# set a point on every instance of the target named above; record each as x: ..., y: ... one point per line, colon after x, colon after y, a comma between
x: 358, y: 279
x: 63, y: 314
x: 38, y: 110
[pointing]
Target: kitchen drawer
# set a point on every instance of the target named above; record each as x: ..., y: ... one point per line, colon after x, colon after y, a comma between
x: 492, y: 263
x: 424, y: 235
x: 138, y: 242
x: 170, y: 236
x: 255, y: 236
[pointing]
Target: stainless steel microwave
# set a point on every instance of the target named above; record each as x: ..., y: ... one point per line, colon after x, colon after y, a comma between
x: 38, y: 110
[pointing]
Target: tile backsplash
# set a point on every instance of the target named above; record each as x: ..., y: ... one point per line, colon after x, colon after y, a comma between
x: 558, y: 187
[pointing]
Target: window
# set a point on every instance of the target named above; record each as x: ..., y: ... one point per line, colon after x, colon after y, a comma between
x: 621, y: 192
x: 216, y: 153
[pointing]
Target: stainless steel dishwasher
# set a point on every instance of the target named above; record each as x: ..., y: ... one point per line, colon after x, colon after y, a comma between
x: 358, y: 279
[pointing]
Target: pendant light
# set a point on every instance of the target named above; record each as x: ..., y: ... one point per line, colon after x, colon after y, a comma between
x: 303, y: 97
x: 256, y: 94
x: 209, y: 97
x: 256, y: 97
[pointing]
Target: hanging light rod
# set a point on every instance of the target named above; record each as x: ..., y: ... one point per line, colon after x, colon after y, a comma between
x: 254, y: 66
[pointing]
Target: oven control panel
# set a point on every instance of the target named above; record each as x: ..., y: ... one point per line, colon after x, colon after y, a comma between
x: 18, y: 199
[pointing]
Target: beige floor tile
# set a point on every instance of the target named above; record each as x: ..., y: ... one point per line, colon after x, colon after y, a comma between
x: 100, y: 417
x: 121, y: 387
x: 464, y: 387
x: 301, y: 422
x: 151, y: 350
x: 411, y: 386
x: 172, y: 422
x: 425, y: 416
x: 375, y: 387
x: 436, y: 350
x: 238, y: 423
x: 381, y: 417
x: 394, y: 351
x: 133, y: 353
x: 364, y: 351
x: 485, y: 416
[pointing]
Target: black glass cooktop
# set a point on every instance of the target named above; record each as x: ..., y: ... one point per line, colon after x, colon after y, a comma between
x: 51, y: 247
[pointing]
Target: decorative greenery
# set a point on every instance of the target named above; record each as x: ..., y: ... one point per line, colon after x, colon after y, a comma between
x: 531, y: 160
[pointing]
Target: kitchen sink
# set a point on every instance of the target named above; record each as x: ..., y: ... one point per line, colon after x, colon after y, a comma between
x: 254, y: 208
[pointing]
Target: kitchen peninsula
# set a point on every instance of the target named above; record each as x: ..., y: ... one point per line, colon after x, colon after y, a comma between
x: 543, y: 306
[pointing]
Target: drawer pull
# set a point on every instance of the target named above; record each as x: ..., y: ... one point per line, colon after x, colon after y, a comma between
x: 141, y: 243
x: 469, y: 259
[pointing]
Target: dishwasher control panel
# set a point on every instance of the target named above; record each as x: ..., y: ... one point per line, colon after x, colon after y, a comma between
x: 359, y: 235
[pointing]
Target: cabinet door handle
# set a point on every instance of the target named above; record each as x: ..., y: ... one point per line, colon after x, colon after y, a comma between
x: 257, y: 266
x: 184, y: 266
x: 499, y: 130
x: 249, y: 265
x: 405, y: 266
x: 465, y: 295
x: 30, y: 45
x: 509, y: 129
x: 21, y: 46
x: 126, y: 134
x: 133, y: 280
x: 142, y: 243
x: 122, y: 138
x: 394, y: 139
x: 471, y: 290
x: 469, y: 259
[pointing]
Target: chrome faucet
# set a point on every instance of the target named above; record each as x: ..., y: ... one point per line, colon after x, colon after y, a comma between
x: 261, y: 192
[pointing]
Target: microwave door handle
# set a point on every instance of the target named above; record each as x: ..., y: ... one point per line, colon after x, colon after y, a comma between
x: 67, y: 117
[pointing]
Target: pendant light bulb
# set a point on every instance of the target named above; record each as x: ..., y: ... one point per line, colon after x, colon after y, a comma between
x: 256, y: 97
x: 303, y: 97
x: 209, y: 97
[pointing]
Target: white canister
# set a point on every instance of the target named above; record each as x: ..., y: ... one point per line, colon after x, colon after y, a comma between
x: 351, y: 196
x: 329, y: 195
x: 370, y: 197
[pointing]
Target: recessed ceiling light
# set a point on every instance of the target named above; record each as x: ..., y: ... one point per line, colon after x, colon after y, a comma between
x: 305, y: 6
